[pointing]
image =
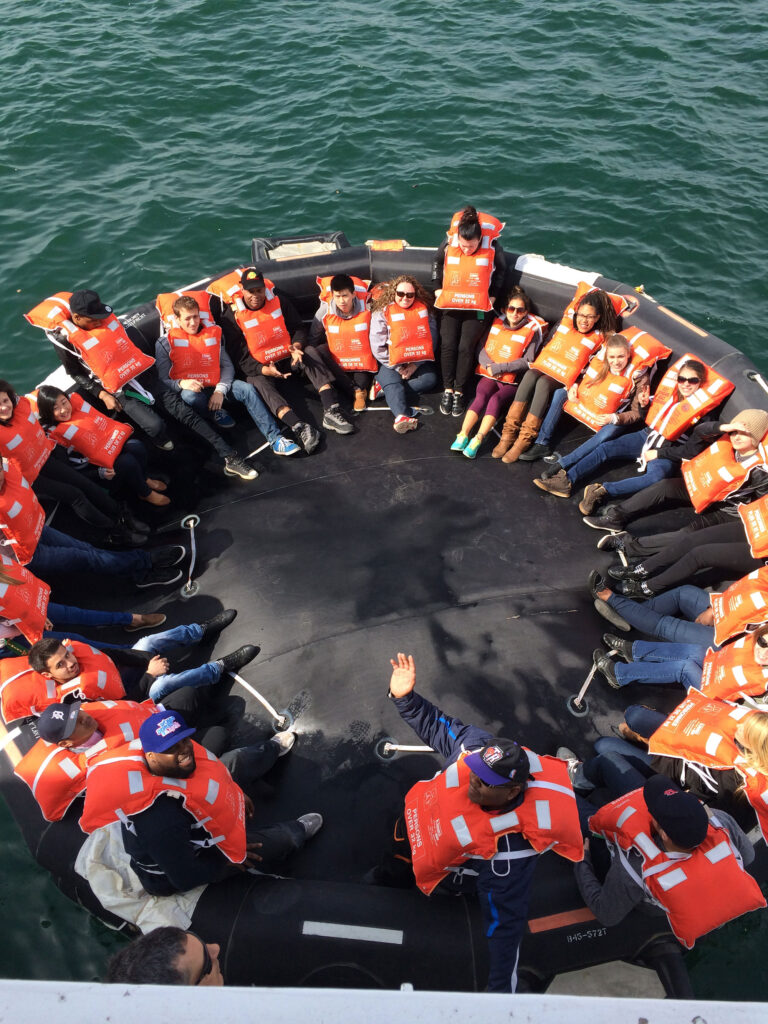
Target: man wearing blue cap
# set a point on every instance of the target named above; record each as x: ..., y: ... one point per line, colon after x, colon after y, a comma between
x: 476, y: 826
x: 183, y: 812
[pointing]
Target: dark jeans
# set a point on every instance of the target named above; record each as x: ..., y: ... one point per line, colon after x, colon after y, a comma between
x: 60, y: 481
x: 131, y: 470
x: 401, y: 395
x: 348, y: 381
x: 172, y: 402
x: 59, y: 553
x: 624, y: 448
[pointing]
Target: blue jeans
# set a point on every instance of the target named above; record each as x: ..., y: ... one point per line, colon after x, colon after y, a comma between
x: 659, y: 663
x: 606, y: 433
x: 69, y: 615
x: 57, y: 552
x: 401, y: 394
x: 623, y: 448
x: 644, y: 721
x: 617, y: 766
x: 553, y: 417
x: 241, y: 392
x: 167, y: 640
x: 661, y: 616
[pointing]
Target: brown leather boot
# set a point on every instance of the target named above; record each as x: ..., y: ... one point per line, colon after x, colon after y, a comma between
x: 511, y: 429
x: 528, y: 434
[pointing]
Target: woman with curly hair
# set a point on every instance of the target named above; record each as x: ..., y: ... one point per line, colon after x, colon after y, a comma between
x: 403, y: 337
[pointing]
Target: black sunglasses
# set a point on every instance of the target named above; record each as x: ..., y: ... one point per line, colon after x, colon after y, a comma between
x: 207, y: 967
x: 689, y: 380
x: 405, y: 295
x: 762, y: 640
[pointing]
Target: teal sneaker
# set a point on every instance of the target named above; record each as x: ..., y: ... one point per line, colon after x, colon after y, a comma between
x: 473, y: 447
x: 460, y: 443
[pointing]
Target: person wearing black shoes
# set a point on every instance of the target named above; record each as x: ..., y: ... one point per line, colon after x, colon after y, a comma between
x: 175, y: 845
x: 144, y: 669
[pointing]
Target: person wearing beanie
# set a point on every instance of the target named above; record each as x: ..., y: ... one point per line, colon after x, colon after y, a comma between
x: 658, y: 846
x: 732, y: 471
x: 476, y: 827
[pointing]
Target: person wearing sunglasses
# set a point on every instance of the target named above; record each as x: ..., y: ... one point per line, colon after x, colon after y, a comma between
x: 715, y: 537
x: 509, y: 347
x: 403, y: 339
x: 166, y: 956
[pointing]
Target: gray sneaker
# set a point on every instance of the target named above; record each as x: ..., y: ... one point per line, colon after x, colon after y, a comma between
x: 334, y: 419
x: 309, y: 437
x: 311, y: 823
x: 284, y: 740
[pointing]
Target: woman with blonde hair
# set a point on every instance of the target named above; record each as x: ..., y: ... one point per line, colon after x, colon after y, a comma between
x: 403, y: 337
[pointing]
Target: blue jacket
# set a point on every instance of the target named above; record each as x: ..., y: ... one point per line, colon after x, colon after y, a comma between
x: 503, y: 883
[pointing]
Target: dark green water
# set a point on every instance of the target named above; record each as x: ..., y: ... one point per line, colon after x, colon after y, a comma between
x: 145, y: 143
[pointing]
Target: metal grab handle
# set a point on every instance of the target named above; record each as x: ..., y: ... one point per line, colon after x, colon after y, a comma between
x: 754, y: 375
x: 282, y: 720
x: 386, y: 749
x: 190, y: 588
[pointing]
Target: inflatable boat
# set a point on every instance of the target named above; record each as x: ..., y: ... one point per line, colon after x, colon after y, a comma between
x: 381, y: 543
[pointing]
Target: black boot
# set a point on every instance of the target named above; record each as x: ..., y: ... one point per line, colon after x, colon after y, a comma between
x: 240, y: 658
x: 213, y: 626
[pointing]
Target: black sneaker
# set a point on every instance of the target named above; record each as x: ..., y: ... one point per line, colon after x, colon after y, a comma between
x: 446, y: 403
x: 613, y: 541
x: 213, y: 626
x: 171, y: 554
x: 160, y: 576
x: 628, y: 572
x: 606, y: 668
x: 609, y: 519
x: 458, y: 405
x: 535, y: 452
x: 311, y: 823
x: 239, y: 659
x: 617, y: 643
x: 235, y: 466
x: 309, y: 437
x: 122, y: 537
x: 334, y: 419
x: 638, y: 590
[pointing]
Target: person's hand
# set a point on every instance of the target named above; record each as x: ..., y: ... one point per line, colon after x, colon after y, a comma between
x: 604, y: 420
x: 651, y: 454
x: 270, y: 370
x: 407, y: 370
x: 297, y: 356
x: 110, y: 402
x: 644, y: 396
x: 403, y: 675
x: 251, y: 856
x: 586, y: 847
x: 216, y: 401
x: 707, y: 618
x: 191, y: 385
x: 48, y: 624
x: 158, y: 666
x: 495, y: 369
x: 107, y: 474
x: 249, y: 808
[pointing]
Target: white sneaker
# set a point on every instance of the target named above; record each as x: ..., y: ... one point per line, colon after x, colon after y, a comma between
x: 311, y: 823
x: 284, y: 740
x: 572, y: 762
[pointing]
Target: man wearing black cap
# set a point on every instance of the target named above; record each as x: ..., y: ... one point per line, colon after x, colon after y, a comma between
x: 89, y: 313
x: 477, y: 826
x: 243, y: 334
x: 184, y: 815
x: 668, y: 853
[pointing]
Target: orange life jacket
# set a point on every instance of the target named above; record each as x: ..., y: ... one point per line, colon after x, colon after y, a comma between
x: 505, y: 345
x: 95, y: 436
x: 701, y: 730
x: 715, y: 473
x: 754, y: 516
x: 25, y: 692
x: 698, y: 891
x: 732, y: 672
x: 21, y: 516
x: 671, y: 417
x: 57, y: 776
x: 23, y: 440
x: 410, y: 336
x: 26, y: 604
x: 348, y: 339
x: 264, y: 330
x: 744, y: 603
x: 445, y: 828
x: 467, y: 279
x: 123, y: 785
x: 108, y: 352
x: 164, y: 305
x: 568, y: 351
x: 196, y: 356
x: 605, y: 397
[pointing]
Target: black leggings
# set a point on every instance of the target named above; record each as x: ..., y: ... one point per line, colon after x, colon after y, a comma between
x: 536, y: 390
x: 723, y: 547
x: 59, y: 481
x: 460, y: 332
